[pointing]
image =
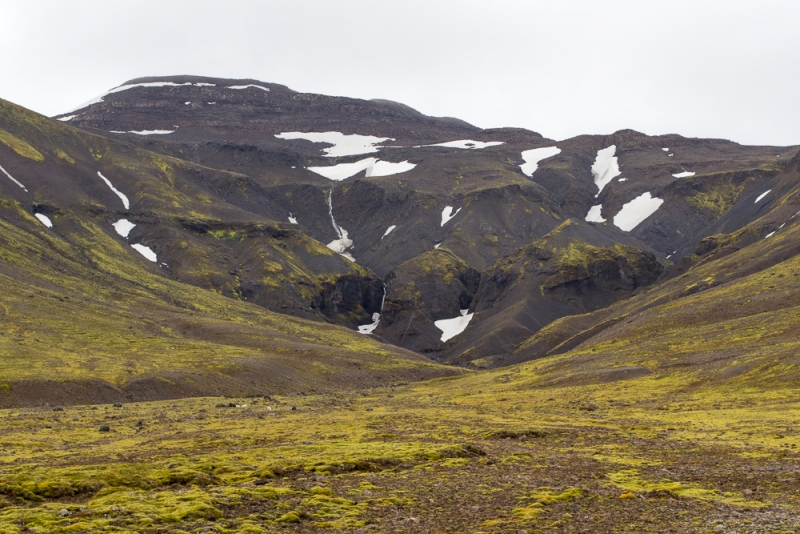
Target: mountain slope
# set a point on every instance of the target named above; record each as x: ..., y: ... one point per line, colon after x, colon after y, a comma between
x: 384, y: 185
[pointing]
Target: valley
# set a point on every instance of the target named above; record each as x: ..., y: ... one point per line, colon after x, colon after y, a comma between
x: 233, y: 307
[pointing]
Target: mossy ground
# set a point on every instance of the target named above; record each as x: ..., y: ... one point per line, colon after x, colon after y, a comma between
x: 488, y: 452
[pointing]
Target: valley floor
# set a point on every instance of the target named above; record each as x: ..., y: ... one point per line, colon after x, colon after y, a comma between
x: 487, y: 452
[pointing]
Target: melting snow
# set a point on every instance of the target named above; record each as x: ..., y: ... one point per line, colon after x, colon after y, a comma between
x: 69, y: 118
x: 368, y: 328
x: 340, y: 245
x: 389, y: 230
x: 246, y: 86
x: 534, y: 156
x: 769, y: 235
x: 151, y: 132
x: 447, y: 214
x: 466, y: 144
x: 119, y: 193
x: 44, y: 219
x: 98, y: 99
x: 452, y: 327
x: 387, y: 168
x: 637, y: 210
x: 343, y: 145
x: 344, y: 171
x: 12, y: 179
x: 762, y: 195
x: 685, y: 174
x: 373, y: 166
x: 123, y: 227
x: 594, y: 214
x: 147, y: 252
x: 605, y: 168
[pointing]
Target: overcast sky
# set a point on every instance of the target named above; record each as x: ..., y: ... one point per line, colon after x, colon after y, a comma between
x: 701, y: 68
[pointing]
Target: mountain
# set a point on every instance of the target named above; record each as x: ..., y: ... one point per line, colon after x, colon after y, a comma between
x: 472, y: 247
x: 366, y: 319
x: 386, y: 184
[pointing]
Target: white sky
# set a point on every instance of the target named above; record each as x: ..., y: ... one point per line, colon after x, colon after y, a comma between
x: 701, y: 68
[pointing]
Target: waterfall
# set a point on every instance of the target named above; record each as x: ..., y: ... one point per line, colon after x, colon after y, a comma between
x: 376, y: 317
x: 330, y: 212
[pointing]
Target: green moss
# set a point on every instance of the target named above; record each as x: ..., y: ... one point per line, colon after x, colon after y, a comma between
x: 63, y: 155
x: 717, y: 199
x: 289, y: 517
x: 20, y: 147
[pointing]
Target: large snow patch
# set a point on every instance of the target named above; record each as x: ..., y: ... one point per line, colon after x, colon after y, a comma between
x: 452, y: 327
x: 605, y: 168
x: 373, y: 166
x: 595, y: 214
x: 636, y: 211
x: 534, y: 156
x: 343, y: 144
x: 447, y: 214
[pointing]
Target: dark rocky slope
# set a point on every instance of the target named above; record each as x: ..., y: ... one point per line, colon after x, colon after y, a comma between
x: 499, y: 209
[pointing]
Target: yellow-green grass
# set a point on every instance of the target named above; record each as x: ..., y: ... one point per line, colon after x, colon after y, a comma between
x: 503, y: 445
x: 83, y: 310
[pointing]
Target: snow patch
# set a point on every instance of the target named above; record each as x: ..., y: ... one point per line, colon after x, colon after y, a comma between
x: 246, y: 86
x: 389, y: 230
x: 147, y: 252
x: 769, y: 235
x: 150, y: 132
x: 98, y: 99
x: 447, y: 214
x: 452, y: 327
x: 534, y: 156
x: 211, y: 103
x: 373, y: 166
x: 292, y: 219
x: 622, y: 180
x: 343, y: 145
x: 387, y: 168
x: 685, y: 174
x: 466, y: 144
x: 119, y: 193
x: 68, y: 118
x: 123, y: 227
x: 341, y: 245
x: 595, y: 215
x: 437, y: 245
x: 636, y: 211
x: 187, y: 103
x: 762, y: 195
x: 13, y: 179
x: 45, y: 220
x: 605, y: 168
x: 344, y: 171
x: 665, y: 149
x: 369, y: 328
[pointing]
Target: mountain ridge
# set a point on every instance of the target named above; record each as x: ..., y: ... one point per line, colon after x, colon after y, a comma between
x: 268, y: 225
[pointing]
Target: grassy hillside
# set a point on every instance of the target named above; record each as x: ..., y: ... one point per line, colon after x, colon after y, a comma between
x: 84, y: 309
